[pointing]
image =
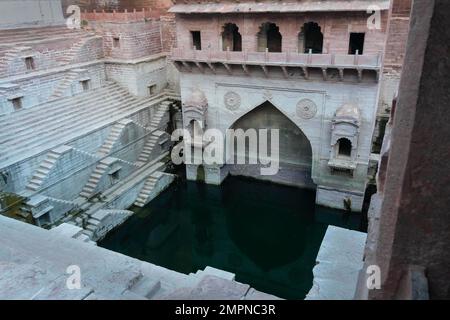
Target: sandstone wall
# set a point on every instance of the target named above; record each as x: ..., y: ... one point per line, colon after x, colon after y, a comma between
x: 336, y: 28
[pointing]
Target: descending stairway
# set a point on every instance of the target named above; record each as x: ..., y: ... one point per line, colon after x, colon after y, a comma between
x: 62, y: 87
x: 74, y: 51
x: 34, y: 129
x: 155, y: 137
x: 89, y: 188
x: 24, y: 35
x: 148, y: 148
x: 113, y: 137
x: 96, y: 222
x: 156, y: 122
x: 42, y: 172
x: 149, y: 186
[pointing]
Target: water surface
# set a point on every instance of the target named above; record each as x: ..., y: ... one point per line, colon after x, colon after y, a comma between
x: 268, y: 235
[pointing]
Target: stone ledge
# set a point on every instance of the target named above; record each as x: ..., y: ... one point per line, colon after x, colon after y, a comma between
x: 338, y: 263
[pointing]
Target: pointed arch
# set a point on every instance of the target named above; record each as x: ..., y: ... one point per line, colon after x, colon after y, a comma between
x: 231, y: 38
x: 295, y: 147
x: 269, y: 37
x: 310, y: 38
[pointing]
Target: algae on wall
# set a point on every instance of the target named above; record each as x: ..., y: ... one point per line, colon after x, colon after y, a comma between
x: 10, y: 206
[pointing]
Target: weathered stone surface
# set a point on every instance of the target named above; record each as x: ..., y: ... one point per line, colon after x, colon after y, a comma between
x: 35, y: 267
x: 211, y: 288
x: 413, y: 210
x: 339, y: 260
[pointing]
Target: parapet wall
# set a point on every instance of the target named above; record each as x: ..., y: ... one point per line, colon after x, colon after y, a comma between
x: 132, y: 34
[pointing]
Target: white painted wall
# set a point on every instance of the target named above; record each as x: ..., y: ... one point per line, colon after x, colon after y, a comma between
x: 285, y: 94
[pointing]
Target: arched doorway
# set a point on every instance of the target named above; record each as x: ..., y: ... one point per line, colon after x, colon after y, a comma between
x: 310, y: 38
x: 231, y: 38
x: 269, y: 37
x: 295, y: 151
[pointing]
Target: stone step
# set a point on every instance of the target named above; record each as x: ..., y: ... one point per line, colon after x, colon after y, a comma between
x: 146, y: 287
x: 124, y: 101
x: 39, y: 176
x: 99, y: 116
x: 67, y: 102
x: 69, y: 130
x: 89, y: 233
x: 83, y: 237
x: 93, y: 222
x: 91, y: 228
x: 68, y: 107
x: 63, y: 119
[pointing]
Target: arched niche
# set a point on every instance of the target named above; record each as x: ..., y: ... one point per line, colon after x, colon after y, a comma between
x: 269, y: 37
x: 294, y: 147
x: 310, y: 38
x: 231, y: 38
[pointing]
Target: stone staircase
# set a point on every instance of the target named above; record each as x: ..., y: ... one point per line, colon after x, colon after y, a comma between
x: 149, y: 186
x: 44, y: 169
x: 155, y: 137
x: 57, y: 121
x: 157, y: 118
x: 62, y: 86
x: 24, y: 35
x: 71, y: 231
x: 143, y: 288
x: 149, y: 146
x: 101, y: 168
x: 74, y: 51
x: 113, y: 137
x: 103, y: 221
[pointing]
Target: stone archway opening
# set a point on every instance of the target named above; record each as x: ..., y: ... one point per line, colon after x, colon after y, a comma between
x: 269, y: 37
x: 310, y: 38
x: 295, y: 151
x: 344, y: 148
x: 231, y: 38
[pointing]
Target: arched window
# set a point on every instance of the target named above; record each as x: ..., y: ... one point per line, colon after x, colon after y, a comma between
x: 269, y: 37
x: 344, y: 147
x: 310, y: 37
x: 195, y: 130
x: 231, y: 38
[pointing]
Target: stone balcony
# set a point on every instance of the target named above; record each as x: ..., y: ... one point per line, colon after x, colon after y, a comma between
x: 327, y: 66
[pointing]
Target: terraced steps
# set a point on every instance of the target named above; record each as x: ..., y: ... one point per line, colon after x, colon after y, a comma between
x: 64, y: 107
x: 147, y: 150
x: 40, y: 128
x: 62, y: 87
x: 27, y: 136
x: 37, y: 126
x: 45, y: 167
x: 113, y: 137
x: 74, y: 51
x: 149, y: 186
x: 24, y: 35
x: 99, y: 171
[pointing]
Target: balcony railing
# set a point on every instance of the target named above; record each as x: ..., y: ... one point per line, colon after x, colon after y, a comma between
x: 370, y: 62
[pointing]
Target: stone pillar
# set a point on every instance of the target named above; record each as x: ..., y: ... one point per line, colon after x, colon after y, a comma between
x: 409, y: 218
x: 215, y: 174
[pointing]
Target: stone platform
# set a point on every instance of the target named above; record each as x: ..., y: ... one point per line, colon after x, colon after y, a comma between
x: 36, y: 267
x: 338, y: 263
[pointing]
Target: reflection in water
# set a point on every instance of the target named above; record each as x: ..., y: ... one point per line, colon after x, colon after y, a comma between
x: 267, y: 234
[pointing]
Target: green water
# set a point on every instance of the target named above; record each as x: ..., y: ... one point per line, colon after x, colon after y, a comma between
x: 268, y: 235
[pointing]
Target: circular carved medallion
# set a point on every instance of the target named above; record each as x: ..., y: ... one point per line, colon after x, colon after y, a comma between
x: 232, y: 100
x: 306, y: 109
